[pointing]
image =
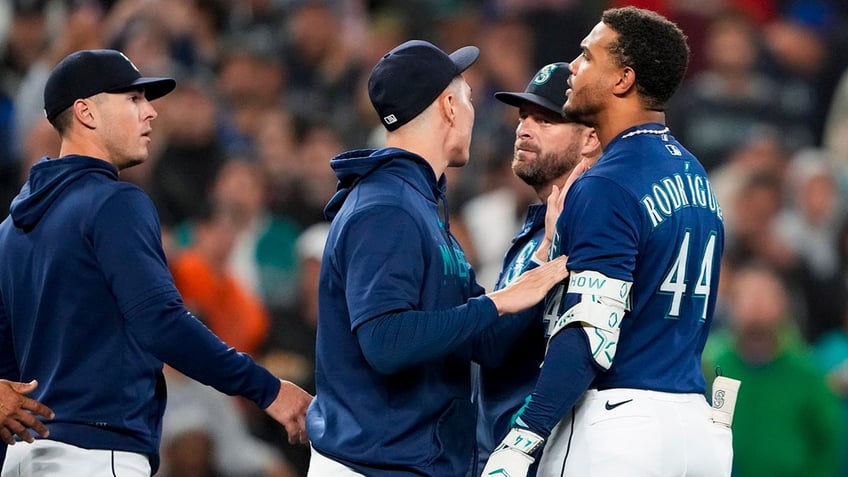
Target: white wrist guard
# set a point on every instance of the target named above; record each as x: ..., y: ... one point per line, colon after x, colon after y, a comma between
x: 514, y: 455
x: 724, y: 399
x: 523, y: 440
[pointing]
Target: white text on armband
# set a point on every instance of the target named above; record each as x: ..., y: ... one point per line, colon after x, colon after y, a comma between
x: 588, y: 282
x: 671, y: 194
x: 599, y: 312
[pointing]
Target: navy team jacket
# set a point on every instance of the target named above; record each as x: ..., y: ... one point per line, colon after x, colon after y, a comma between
x: 89, y: 308
x: 395, y: 408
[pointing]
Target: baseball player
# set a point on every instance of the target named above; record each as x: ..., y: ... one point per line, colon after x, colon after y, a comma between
x: 548, y: 147
x: 401, y: 315
x: 621, y: 390
x: 87, y: 304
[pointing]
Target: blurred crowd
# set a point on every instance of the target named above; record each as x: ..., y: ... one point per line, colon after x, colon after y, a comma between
x: 269, y: 90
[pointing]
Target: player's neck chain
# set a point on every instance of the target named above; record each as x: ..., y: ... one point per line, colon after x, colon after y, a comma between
x: 664, y: 130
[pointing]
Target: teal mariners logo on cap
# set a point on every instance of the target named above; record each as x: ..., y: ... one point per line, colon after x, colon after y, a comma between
x: 544, y: 74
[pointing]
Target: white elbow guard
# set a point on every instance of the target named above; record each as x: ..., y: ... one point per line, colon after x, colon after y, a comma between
x: 603, y: 302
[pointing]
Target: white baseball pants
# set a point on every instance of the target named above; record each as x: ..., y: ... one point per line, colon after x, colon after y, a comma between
x: 638, y: 433
x: 47, y: 458
x: 322, y: 466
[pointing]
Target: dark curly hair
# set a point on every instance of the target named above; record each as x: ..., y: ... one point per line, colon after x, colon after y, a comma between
x: 654, y: 47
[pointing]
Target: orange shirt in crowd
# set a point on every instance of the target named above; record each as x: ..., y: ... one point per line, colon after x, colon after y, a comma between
x: 238, y: 317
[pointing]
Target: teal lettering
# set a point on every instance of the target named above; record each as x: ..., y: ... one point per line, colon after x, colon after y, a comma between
x: 613, y: 319
x: 701, y: 191
x: 656, y: 218
x: 681, y: 190
x: 590, y: 282
x: 670, y: 195
x: 448, y: 265
x: 692, y: 189
x: 454, y: 262
x: 673, y: 194
x: 462, y: 264
x: 662, y: 199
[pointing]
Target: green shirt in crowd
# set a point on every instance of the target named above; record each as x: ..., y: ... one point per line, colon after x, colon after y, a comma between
x: 787, y: 422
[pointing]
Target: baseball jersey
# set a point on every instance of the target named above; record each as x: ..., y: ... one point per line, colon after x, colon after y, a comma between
x: 389, y: 250
x: 500, y: 391
x: 645, y: 213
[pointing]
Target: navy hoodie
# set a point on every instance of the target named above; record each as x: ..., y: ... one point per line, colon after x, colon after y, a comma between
x: 399, y: 313
x: 89, y: 308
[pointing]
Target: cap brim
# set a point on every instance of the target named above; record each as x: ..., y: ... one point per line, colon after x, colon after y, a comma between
x: 515, y: 99
x: 464, y: 57
x: 153, y: 87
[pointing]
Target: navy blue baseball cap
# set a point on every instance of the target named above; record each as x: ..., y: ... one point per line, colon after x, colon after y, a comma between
x: 88, y: 72
x: 411, y: 76
x: 546, y: 89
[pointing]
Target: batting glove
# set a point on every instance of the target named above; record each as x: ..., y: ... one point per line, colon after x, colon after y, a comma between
x: 512, y: 458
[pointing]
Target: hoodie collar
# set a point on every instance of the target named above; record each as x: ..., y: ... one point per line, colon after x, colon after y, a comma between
x: 47, y: 181
x: 353, y: 166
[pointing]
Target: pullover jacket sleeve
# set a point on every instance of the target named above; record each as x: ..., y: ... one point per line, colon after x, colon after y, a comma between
x: 491, y: 348
x: 125, y: 236
x: 394, y: 341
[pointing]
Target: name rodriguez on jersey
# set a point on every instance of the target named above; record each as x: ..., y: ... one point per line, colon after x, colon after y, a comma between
x: 671, y: 194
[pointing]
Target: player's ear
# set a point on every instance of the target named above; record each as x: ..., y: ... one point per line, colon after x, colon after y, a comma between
x: 84, y: 112
x: 449, y: 100
x: 626, y: 80
x: 591, y: 143
x: 447, y: 106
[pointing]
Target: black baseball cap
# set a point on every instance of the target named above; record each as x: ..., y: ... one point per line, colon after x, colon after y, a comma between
x: 411, y: 76
x: 88, y: 72
x: 546, y: 89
